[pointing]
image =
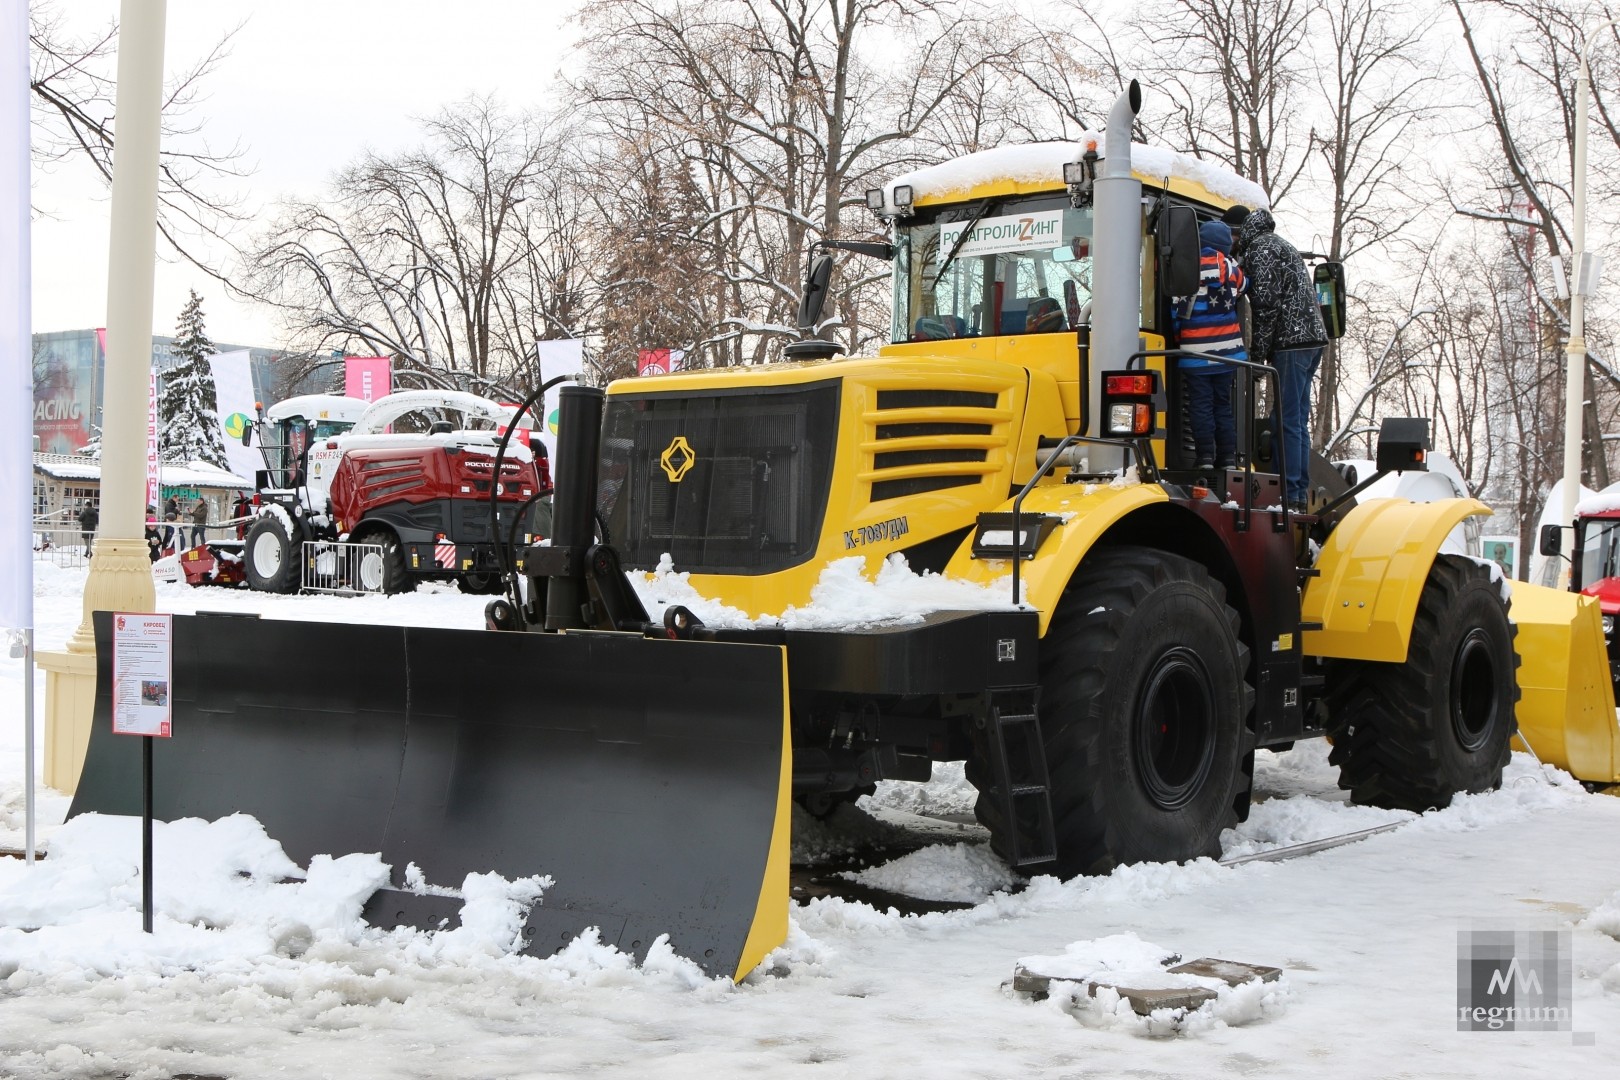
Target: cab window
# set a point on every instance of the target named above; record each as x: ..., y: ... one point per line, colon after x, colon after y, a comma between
x: 994, y: 268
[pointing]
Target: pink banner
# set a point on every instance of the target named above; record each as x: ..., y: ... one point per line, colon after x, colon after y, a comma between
x: 368, y: 377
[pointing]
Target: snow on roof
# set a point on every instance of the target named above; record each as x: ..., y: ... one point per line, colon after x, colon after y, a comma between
x: 1606, y: 501
x: 385, y: 410
x: 318, y: 407
x: 1042, y: 163
x: 474, y: 442
x: 195, y: 474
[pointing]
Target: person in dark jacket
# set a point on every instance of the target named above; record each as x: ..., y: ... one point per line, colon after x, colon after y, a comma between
x: 1289, y: 334
x: 1207, y: 324
x: 89, y: 518
x: 199, y: 523
x: 154, y: 539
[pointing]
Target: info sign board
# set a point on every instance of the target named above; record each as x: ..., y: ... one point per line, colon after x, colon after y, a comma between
x: 143, y: 668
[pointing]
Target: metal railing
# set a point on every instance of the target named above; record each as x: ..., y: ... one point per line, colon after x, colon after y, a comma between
x: 60, y: 545
x: 343, y: 569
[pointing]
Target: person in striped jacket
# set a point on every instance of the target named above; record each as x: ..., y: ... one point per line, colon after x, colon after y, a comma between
x: 1207, y: 324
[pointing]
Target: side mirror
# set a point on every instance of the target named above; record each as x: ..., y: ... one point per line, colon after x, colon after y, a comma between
x: 1552, y: 539
x: 1403, y: 444
x: 1330, y: 295
x: 247, y: 433
x: 815, y: 292
x: 1176, y: 237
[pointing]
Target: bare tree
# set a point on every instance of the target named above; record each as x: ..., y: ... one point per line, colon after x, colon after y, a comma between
x: 1378, y: 91
x: 1524, y: 72
x: 772, y: 117
x: 74, y: 90
x: 450, y: 258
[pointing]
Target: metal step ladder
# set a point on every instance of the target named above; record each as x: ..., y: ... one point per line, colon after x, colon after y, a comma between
x: 1018, y: 764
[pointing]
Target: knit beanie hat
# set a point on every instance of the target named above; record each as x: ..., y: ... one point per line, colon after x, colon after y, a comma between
x: 1215, y: 234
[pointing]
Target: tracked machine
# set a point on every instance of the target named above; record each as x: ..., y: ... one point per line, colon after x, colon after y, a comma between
x: 1022, y: 431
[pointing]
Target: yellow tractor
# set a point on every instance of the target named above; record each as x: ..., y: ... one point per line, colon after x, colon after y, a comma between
x: 1023, y: 431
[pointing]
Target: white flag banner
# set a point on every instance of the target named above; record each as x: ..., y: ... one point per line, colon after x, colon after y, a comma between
x: 16, y: 345
x: 233, y: 392
x: 562, y: 357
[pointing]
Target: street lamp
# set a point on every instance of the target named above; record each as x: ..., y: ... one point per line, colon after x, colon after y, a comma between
x: 1585, y: 284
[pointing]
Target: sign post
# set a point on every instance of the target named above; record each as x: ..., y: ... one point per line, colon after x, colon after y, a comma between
x: 143, y: 668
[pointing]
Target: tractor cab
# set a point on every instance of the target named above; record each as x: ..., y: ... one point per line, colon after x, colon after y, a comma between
x: 1597, y: 562
x: 288, y: 429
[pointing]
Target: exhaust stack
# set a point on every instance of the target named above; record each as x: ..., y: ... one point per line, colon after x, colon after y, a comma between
x: 1116, y: 246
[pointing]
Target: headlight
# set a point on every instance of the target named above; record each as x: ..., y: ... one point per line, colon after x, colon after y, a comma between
x: 1608, y: 625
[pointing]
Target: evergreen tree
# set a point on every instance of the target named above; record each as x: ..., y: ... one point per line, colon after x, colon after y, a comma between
x: 188, y: 410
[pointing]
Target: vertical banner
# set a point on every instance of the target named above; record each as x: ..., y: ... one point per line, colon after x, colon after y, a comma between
x: 560, y: 357
x: 368, y: 377
x: 153, y: 460
x: 16, y: 345
x: 233, y: 391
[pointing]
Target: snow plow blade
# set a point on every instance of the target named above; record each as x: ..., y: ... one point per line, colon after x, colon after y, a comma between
x: 650, y: 779
x: 1566, y: 705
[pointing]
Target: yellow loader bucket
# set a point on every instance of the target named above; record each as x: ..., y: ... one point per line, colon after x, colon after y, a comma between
x: 1566, y: 703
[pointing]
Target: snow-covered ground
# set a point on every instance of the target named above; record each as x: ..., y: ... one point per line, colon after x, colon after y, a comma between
x: 260, y: 968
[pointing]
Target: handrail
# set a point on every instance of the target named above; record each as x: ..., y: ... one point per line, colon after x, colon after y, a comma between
x: 1051, y: 462
x: 1270, y: 375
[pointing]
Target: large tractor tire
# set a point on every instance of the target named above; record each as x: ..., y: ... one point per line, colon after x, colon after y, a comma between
x: 1144, y: 715
x: 480, y: 584
x: 270, y: 556
x: 1409, y: 736
x: 384, y: 571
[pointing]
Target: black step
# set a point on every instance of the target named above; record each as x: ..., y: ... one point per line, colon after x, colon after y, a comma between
x: 1018, y: 764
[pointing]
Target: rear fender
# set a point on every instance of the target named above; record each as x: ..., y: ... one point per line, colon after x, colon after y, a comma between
x: 1371, y: 573
x: 1087, y: 511
x: 1566, y: 704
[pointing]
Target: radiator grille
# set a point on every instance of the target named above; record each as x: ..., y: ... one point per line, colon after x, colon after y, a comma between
x: 753, y: 479
x: 957, y: 446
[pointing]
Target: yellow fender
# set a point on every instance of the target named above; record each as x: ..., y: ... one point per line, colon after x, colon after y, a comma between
x: 1566, y: 703
x: 1372, y: 570
x: 1087, y: 511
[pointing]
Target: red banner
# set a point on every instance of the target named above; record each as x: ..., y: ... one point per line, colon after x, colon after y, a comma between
x: 659, y: 361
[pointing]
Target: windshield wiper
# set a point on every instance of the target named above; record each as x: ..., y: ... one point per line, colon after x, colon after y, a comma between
x: 961, y: 238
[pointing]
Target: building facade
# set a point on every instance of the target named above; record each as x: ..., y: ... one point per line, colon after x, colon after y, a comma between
x: 69, y: 369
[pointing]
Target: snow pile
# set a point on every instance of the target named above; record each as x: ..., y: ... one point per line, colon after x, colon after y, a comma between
x: 1125, y: 960
x: 946, y: 792
x: 963, y: 873
x: 1605, y: 918
x: 843, y: 597
x: 1299, y: 819
x: 664, y: 588
x: 223, y: 892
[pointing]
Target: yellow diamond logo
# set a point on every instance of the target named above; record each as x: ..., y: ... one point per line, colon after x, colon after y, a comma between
x: 677, y: 459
